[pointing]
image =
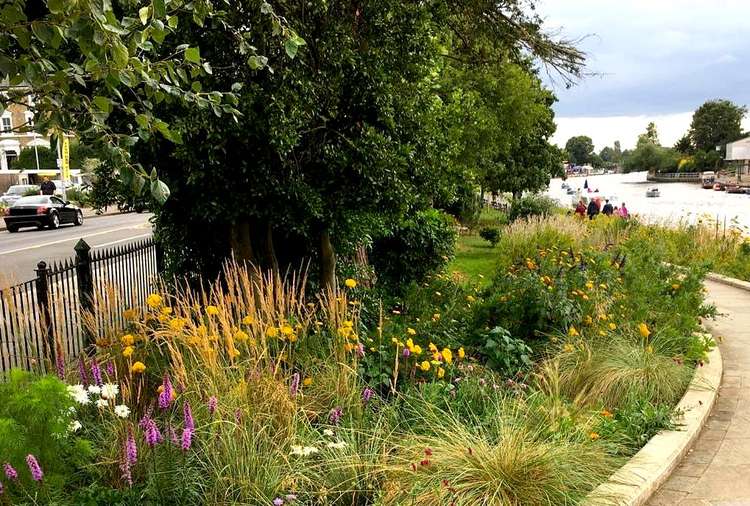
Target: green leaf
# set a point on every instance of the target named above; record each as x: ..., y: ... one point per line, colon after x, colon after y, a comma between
x: 143, y: 13
x: 137, y: 183
x: 154, y: 176
x: 55, y: 6
x: 103, y: 104
x: 42, y: 31
x: 193, y: 55
x: 172, y: 21
x: 160, y: 191
x: 291, y: 47
x: 119, y: 53
x: 265, y: 8
x: 160, y: 9
x: 196, y: 87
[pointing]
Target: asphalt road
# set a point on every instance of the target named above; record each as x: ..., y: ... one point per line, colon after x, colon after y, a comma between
x: 20, y: 252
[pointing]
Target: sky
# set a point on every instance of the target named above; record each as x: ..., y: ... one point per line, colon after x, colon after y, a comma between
x: 654, y: 60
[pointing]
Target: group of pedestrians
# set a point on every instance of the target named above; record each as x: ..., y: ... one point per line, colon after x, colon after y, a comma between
x: 595, y: 207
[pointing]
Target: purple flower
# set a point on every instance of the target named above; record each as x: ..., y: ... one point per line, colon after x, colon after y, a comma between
x: 212, y: 402
x: 36, y: 471
x: 10, y: 472
x: 110, y: 369
x: 367, y: 394
x: 96, y: 373
x: 406, y: 353
x: 187, y: 439
x: 294, y: 387
x: 82, y: 371
x: 151, y: 432
x: 188, y: 416
x: 278, y: 501
x: 360, y: 350
x: 60, y: 362
x: 165, y: 397
x: 131, y: 449
x: 335, y: 416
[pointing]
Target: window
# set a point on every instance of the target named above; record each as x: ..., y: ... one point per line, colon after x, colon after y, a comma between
x: 6, y: 125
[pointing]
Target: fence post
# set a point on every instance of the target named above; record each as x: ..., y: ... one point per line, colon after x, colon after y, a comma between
x: 85, y: 286
x: 42, y: 298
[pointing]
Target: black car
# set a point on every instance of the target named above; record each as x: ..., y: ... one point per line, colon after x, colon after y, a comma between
x: 41, y: 211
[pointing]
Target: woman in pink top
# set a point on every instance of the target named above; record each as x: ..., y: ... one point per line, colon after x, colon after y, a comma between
x: 624, y: 211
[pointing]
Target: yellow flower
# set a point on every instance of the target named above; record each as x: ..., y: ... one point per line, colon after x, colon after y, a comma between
x: 649, y: 349
x: 307, y: 382
x: 612, y: 326
x: 470, y: 298
x: 127, y: 351
x: 248, y: 320
x: 138, y: 367
x: 436, y: 317
x: 461, y: 353
x: 129, y: 314
x: 440, y: 372
x: 153, y: 300
x: 177, y: 324
x: 602, y: 317
x: 425, y: 366
x: 606, y: 414
x: 233, y: 352
x: 212, y: 310
x: 127, y: 340
x: 594, y: 436
x: 447, y: 355
x: 675, y: 286
x: 241, y: 336
x: 589, y: 285
x: 350, y: 283
x: 568, y: 348
x: 272, y: 332
x: 587, y: 320
x: 287, y: 329
x: 644, y: 331
x: 417, y: 350
x: 572, y: 332
x: 166, y: 310
x: 411, y: 331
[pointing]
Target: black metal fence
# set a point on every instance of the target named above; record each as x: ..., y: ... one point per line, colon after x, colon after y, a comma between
x: 71, y: 304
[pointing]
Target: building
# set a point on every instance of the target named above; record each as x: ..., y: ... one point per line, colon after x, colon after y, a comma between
x: 738, y: 157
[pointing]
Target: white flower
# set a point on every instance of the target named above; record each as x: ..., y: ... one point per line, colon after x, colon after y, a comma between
x: 110, y: 390
x: 296, y: 450
x: 79, y: 394
x: 122, y: 411
x: 102, y: 403
x: 74, y: 426
x: 328, y: 432
x: 94, y: 390
x: 303, y: 451
x: 338, y: 444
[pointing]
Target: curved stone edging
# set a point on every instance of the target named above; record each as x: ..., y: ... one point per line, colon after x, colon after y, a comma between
x: 635, y: 482
x: 726, y: 280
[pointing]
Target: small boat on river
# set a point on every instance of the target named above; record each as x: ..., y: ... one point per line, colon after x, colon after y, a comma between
x: 653, y: 192
x: 733, y: 188
x: 719, y: 187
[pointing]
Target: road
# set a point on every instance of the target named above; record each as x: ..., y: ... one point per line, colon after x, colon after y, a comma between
x: 20, y: 252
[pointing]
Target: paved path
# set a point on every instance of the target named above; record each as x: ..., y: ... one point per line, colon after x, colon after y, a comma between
x: 716, y: 471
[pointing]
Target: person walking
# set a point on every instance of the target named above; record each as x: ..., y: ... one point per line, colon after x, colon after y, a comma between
x: 580, y: 208
x: 47, y: 187
x: 624, y: 211
x: 592, y: 209
x: 607, y: 210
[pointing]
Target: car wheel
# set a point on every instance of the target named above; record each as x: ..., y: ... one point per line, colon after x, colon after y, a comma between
x: 12, y: 229
x: 78, y: 220
x: 54, y: 221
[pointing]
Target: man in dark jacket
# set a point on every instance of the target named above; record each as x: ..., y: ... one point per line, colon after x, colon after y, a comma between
x: 608, y: 209
x: 47, y: 187
x: 592, y: 210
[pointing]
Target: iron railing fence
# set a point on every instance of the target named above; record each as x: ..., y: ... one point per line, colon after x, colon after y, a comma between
x: 71, y: 304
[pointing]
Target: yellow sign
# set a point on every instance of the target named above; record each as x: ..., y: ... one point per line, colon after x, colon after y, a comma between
x: 65, y: 159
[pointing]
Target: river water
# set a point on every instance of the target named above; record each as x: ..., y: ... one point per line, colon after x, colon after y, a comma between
x: 678, y: 201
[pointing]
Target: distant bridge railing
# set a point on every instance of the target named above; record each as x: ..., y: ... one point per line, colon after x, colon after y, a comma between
x: 675, y: 176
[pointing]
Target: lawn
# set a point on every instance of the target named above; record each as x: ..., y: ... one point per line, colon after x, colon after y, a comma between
x: 475, y: 258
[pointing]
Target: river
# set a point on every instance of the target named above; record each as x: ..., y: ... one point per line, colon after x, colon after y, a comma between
x: 678, y: 201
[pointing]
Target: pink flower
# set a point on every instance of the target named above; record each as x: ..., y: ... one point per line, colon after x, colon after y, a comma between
x: 212, y: 402
x: 10, y: 472
x: 165, y: 397
x: 188, y: 416
x: 187, y: 439
x: 36, y: 471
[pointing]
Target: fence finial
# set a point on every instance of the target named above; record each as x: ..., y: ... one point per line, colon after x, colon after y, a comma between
x: 81, y: 245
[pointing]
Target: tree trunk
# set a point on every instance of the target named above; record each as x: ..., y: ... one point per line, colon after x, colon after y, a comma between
x: 327, y: 261
x: 240, y: 242
x: 270, y: 252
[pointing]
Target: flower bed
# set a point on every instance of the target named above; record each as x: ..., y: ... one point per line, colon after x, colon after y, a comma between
x: 529, y: 390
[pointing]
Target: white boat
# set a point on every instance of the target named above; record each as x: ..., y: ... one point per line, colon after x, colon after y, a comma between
x: 652, y: 192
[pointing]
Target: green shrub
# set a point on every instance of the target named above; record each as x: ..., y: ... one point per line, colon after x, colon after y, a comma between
x: 634, y: 424
x: 491, y: 235
x: 31, y: 192
x: 531, y: 205
x: 420, y: 245
x: 78, y: 197
x: 505, y: 354
x: 466, y: 205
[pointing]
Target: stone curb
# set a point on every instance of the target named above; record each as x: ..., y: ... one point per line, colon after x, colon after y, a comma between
x: 635, y: 482
x: 86, y: 217
x: 726, y: 280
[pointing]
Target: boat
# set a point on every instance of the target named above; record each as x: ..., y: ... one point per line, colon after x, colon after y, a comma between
x: 653, y: 192
x: 719, y: 187
x: 733, y: 188
x: 570, y: 191
x: 708, y: 179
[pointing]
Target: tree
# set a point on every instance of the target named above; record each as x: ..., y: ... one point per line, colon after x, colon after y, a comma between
x: 580, y: 149
x: 607, y: 155
x: 716, y: 122
x: 684, y: 145
x: 651, y: 157
x: 27, y: 159
x: 651, y: 133
x: 617, y: 151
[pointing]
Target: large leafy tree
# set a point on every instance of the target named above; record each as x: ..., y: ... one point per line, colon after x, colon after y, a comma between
x: 716, y: 122
x: 331, y: 149
x: 580, y: 149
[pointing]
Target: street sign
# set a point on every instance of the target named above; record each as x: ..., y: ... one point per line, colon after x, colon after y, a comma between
x: 65, y: 159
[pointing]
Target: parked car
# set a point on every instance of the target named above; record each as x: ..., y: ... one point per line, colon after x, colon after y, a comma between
x: 42, y: 211
x: 17, y: 191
